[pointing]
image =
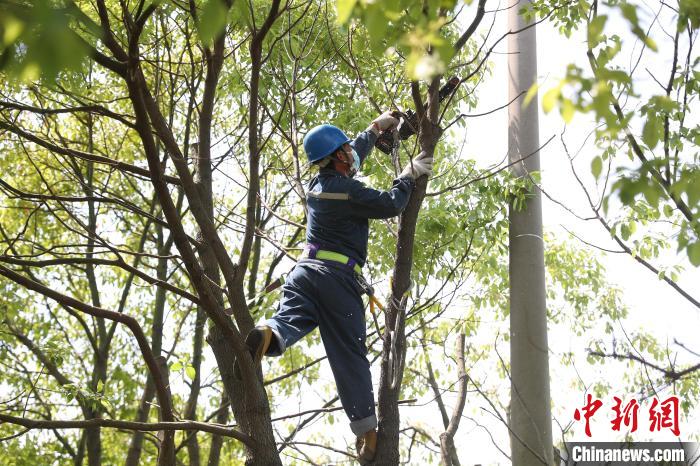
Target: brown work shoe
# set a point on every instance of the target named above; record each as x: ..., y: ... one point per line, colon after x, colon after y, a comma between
x: 366, y: 445
x: 258, y: 342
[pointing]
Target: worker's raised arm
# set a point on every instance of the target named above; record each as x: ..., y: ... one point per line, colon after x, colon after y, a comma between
x: 364, y: 143
x: 371, y: 203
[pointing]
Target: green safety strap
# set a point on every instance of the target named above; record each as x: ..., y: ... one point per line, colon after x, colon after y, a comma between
x: 332, y: 256
x: 320, y: 254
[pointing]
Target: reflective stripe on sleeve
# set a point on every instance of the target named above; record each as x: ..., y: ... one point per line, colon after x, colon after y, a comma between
x: 332, y: 196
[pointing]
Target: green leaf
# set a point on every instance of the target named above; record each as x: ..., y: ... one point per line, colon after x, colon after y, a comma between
x: 550, y: 98
x: 176, y: 367
x: 651, y: 43
x: 344, y: 9
x: 651, y: 131
x: 693, y: 187
x: 597, y: 166
x: 630, y: 13
x: 689, y: 10
x: 190, y: 372
x: 567, y: 110
x: 156, y: 3
x: 694, y: 253
x: 100, y: 386
x: 625, y: 232
x: 617, y: 76
x: 602, y: 99
x: 595, y: 30
x: 12, y: 28
x: 212, y: 21
x: 531, y: 93
x: 652, y: 195
x: 36, y: 40
x: 663, y: 103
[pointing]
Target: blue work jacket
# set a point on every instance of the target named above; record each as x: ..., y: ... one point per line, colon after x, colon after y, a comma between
x: 339, y: 207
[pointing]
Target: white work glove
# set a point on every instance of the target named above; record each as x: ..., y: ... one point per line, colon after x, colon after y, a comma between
x: 421, y: 165
x: 384, y: 122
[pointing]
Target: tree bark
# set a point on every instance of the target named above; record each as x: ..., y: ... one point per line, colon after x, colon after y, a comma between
x: 217, y: 441
x: 448, y: 451
x: 93, y: 436
x: 203, y: 179
x: 136, y: 444
x: 388, y: 407
x: 530, y: 417
x: 428, y: 136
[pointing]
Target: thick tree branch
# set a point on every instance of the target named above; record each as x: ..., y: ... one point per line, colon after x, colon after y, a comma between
x: 129, y: 425
x: 472, y: 27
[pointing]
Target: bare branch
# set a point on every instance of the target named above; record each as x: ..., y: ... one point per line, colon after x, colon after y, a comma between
x: 130, y: 425
x: 671, y: 373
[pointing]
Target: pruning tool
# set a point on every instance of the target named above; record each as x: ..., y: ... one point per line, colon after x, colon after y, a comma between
x: 385, y: 141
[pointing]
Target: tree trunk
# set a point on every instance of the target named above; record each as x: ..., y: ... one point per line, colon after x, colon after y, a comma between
x: 93, y: 435
x: 388, y: 407
x: 136, y: 444
x: 133, y: 455
x: 203, y: 179
x: 166, y: 453
x: 249, y: 403
x: 80, y: 451
x: 530, y: 416
x: 217, y: 441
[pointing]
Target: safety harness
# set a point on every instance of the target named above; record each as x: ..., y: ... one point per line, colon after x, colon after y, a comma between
x: 314, y: 251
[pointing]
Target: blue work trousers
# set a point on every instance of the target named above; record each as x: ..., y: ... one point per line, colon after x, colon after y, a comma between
x: 326, y: 294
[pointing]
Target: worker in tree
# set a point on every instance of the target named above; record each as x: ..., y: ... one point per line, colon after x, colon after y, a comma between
x: 323, y: 290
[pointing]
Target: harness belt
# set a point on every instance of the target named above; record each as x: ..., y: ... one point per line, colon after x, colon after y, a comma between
x: 314, y: 251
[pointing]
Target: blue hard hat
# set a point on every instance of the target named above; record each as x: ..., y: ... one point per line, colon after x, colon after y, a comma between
x: 323, y: 140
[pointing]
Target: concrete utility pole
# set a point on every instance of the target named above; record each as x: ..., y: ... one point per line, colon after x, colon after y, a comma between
x: 530, y: 414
